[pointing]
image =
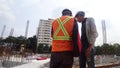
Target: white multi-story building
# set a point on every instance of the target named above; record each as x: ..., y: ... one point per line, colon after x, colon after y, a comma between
x: 44, y: 32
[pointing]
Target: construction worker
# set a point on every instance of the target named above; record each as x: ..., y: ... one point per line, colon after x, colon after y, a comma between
x: 63, y: 30
x: 88, y: 36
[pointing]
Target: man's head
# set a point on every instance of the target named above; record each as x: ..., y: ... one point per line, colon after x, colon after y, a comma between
x: 80, y: 16
x: 66, y: 12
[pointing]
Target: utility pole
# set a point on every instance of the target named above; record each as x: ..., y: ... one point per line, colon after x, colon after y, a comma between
x: 11, y: 32
x: 4, y: 27
x: 104, y: 37
x: 26, y: 31
x: 23, y: 46
x: 104, y: 32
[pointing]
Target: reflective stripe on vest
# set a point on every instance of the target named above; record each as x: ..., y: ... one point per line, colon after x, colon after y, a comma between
x: 61, y: 27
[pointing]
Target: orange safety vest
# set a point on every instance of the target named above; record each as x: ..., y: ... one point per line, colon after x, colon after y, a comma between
x: 62, y: 34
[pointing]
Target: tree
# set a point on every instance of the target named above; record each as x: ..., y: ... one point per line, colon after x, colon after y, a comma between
x: 98, y: 50
x: 117, y: 48
x: 105, y: 48
x: 32, y: 44
x: 108, y: 49
x: 11, y: 40
x: 1, y: 41
x: 40, y: 48
x: 50, y: 48
x: 46, y: 49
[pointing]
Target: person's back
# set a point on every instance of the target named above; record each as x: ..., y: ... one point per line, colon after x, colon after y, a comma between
x: 62, y: 34
x: 62, y: 45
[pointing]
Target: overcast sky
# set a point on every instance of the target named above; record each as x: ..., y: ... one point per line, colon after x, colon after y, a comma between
x: 15, y: 13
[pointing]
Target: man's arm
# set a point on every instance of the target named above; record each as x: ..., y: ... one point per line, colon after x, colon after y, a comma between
x: 75, y: 32
x: 52, y: 29
x: 52, y: 32
x: 94, y: 33
x: 76, y: 40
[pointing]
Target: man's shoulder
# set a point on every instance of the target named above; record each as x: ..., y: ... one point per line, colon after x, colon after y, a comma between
x: 63, y: 17
x: 54, y: 20
x: 90, y: 18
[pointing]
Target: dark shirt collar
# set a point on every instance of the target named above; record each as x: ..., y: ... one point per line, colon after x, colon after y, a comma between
x: 84, y: 20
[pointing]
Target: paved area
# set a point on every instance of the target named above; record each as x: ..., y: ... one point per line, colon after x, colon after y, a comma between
x: 34, y: 64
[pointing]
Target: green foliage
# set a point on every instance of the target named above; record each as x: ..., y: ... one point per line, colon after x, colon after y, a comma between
x: 43, y: 48
x: 108, y: 49
x: 40, y: 48
x: 46, y: 48
x: 32, y: 44
x: 98, y: 50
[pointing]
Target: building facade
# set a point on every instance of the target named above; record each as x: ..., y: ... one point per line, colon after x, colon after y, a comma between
x: 44, y: 32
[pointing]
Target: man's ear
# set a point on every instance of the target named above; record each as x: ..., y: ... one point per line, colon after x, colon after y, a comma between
x: 76, y: 19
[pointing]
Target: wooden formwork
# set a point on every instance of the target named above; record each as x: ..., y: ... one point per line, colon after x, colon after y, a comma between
x: 107, y: 65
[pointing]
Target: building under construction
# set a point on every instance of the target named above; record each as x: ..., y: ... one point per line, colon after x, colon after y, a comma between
x: 44, y: 32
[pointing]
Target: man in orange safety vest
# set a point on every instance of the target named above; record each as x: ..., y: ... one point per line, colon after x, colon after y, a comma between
x: 65, y: 35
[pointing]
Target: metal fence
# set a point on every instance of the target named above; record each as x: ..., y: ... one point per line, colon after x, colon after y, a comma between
x: 10, y: 58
